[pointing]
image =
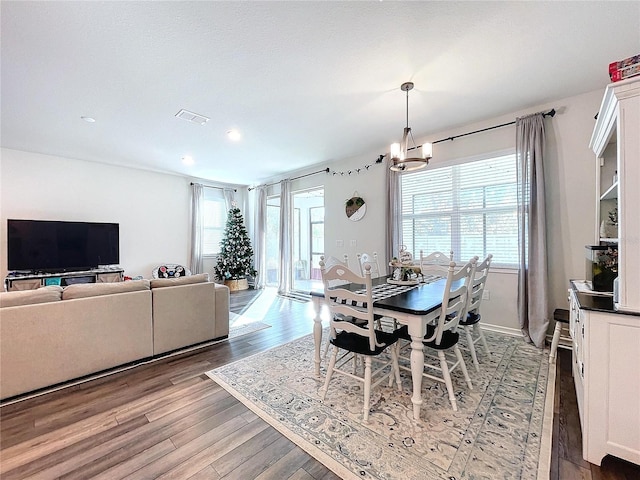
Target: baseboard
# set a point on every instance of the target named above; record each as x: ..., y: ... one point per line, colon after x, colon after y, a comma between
x: 500, y: 329
x: 565, y: 342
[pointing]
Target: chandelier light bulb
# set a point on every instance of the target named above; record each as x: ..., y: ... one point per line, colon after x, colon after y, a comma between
x: 427, y: 150
x: 395, y: 150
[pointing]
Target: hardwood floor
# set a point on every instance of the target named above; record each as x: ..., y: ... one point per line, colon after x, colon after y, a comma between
x: 166, y: 419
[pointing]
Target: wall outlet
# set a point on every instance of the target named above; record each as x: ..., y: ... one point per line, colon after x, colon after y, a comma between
x: 354, y: 243
x: 486, y: 295
x: 339, y: 243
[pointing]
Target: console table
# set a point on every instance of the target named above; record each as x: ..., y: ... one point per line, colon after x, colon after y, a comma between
x: 31, y: 281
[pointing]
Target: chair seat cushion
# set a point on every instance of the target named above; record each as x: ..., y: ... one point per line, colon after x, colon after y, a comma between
x: 449, y: 338
x: 358, y: 344
x: 472, y: 319
x: 338, y: 317
x: 561, y: 315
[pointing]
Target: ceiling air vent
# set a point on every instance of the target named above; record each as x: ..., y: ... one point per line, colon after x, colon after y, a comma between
x: 192, y: 117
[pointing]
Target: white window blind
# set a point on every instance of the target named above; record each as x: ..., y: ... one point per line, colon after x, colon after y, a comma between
x: 215, y: 219
x: 470, y: 208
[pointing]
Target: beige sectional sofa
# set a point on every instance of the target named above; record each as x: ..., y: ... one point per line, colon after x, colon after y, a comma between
x: 52, y: 335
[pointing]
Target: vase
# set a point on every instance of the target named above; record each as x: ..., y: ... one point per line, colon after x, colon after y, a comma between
x: 608, y: 229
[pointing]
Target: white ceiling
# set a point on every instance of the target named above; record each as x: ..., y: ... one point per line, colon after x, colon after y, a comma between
x: 305, y: 82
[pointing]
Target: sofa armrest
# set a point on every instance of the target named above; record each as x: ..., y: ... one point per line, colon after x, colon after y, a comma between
x: 222, y: 310
x: 184, y: 315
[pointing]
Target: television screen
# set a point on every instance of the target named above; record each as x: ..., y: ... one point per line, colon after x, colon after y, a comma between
x: 53, y: 246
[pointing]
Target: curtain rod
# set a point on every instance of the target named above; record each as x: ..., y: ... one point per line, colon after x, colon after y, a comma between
x: 550, y: 113
x: 211, y: 186
x: 325, y: 170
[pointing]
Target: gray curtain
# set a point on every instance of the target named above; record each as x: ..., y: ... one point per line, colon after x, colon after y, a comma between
x: 393, y: 217
x: 229, y: 197
x: 259, y: 232
x: 197, y: 227
x: 284, y: 281
x: 533, y: 303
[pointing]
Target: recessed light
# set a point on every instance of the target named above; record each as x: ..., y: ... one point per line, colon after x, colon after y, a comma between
x: 234, y: 135
x: 187, y: 160
x: 89, y: 119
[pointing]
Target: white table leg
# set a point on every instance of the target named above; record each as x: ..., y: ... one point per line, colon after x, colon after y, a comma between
x: 416, y: 330
x: 317, y: 331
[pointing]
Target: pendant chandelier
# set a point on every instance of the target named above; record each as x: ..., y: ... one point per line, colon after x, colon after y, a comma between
x: 401, y: 159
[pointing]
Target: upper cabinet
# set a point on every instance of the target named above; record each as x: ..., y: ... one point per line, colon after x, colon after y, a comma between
x: 616, y: 144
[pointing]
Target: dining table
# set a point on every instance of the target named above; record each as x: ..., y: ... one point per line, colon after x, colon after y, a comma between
x: 414, y: 306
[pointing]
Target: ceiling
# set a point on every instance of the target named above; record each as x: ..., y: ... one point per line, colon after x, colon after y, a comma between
x: 304, y: 82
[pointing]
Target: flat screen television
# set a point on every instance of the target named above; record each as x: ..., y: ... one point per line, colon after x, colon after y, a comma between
x: 53, y: 246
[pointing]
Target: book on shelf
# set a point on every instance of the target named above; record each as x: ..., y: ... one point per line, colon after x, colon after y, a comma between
x: 613, y: 66
x: 627, y: 72
x: 629, y: 67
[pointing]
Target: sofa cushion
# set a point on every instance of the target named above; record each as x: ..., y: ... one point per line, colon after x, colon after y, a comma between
x: 83, y: 290
x: 173, y: 282
x: 29, y: 297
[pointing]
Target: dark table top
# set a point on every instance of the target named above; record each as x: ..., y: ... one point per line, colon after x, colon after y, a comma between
x: 422, y: 300
x: 597, y: 303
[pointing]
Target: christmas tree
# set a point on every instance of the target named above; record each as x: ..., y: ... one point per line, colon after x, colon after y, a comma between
x: 236, y: 255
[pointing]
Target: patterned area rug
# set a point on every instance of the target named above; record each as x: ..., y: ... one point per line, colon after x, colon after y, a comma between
x: 240, y: 325
x: 497, y: 432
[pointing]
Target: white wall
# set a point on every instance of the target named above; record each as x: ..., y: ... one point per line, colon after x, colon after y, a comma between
x: 153, y: 209
x: 570, y: 192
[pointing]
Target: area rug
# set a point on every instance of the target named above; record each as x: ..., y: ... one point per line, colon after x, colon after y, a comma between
x: 240, y: 325
x: 502, y: 429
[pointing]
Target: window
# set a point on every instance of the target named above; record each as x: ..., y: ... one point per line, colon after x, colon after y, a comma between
x: 470, y: 208
x: 215, y: 219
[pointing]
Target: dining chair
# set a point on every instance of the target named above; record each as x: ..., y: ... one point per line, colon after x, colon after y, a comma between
x: 331, y: 261
x: 442, y: 336
x: 357, y: 338
x: 471, y: 322
x: 436, y: 258
x: 372, y: 260
x: 434, y: 265
x: 365, y: 259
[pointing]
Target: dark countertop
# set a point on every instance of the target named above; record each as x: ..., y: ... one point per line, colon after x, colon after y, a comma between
x: 598, y: 303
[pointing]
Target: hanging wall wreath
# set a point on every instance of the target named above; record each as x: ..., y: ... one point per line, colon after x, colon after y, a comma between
x: 355, y: 208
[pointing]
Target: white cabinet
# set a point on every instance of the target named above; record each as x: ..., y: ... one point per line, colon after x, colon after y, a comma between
x: 606, y: 359
x: 616, y: 144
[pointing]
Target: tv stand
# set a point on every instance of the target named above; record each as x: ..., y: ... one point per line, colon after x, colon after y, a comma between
x: 30, y: 281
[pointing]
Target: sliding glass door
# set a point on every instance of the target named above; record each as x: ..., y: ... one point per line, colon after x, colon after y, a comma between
x: 307, y: 239
x: 272, y: 240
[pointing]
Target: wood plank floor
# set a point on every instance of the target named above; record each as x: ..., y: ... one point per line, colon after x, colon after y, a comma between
x: 166, y: 419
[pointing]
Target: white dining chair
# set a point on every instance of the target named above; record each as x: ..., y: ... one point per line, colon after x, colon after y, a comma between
x: 364, y: 259
x: 371, y: 260
x: 470, y: 324
x: 351, y: 339
x: 436, y: 258
x: 329, y: 262
x: 443, y: 336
